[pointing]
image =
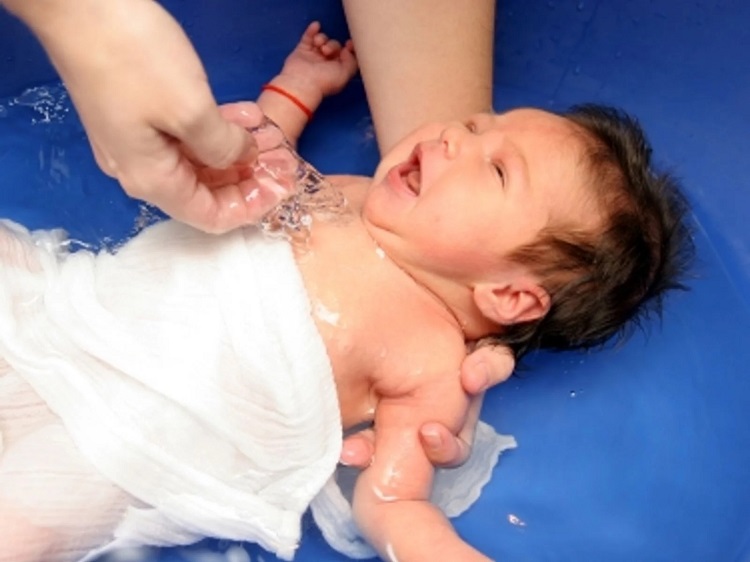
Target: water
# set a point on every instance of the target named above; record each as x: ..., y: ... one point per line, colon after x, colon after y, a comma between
x: 308, y: 192
x: 48, y: 104
x: 48, y: 175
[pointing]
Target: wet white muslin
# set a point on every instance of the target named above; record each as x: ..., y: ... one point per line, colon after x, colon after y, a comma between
x: 175, y: 390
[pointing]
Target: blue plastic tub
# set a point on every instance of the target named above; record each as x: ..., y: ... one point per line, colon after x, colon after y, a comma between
x: 636, y: 453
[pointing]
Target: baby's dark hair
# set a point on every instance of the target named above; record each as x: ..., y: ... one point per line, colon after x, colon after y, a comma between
x: 602, y: 282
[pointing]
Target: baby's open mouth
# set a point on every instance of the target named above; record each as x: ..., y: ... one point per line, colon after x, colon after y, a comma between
x: 411, y: 173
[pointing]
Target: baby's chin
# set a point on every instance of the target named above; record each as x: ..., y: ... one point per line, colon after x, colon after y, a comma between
x: 382, y: 170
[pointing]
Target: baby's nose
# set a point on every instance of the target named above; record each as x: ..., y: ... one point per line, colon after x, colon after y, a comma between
x: 452, y: 138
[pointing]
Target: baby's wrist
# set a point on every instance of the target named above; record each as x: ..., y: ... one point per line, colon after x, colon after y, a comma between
x: 306, y: 96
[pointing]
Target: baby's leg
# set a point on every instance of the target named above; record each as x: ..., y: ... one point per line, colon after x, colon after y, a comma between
x: 54, y: 507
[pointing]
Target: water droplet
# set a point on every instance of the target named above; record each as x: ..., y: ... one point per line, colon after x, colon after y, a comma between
x: 147, y: 215
x: 324, y: 314
x: 48, y: 102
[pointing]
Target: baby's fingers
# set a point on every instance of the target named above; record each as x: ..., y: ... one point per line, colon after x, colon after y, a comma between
x: 348, y: 58
x: 308, y: 37
x: 329, y: 48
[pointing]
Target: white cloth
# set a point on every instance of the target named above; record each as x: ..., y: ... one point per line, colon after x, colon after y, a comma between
x: 187, y: 372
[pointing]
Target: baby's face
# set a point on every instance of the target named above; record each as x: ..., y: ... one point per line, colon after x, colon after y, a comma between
x: 454, y: 198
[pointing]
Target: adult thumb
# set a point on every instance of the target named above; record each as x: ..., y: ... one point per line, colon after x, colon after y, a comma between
x: 219, y: 143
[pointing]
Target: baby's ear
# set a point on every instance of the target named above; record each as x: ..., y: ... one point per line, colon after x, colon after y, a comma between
x: 520, y: 300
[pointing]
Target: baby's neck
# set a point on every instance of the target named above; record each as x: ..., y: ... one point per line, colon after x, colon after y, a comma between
x: 453, y: 295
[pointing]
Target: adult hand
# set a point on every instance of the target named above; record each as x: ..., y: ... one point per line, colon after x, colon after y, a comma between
x: 483, y: 368
x: 272, y: 178
x: 144, y: 99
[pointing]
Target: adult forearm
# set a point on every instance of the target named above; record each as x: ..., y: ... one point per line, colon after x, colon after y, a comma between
x: 422, y: 60
x: 27, y: 10
x: 144, y: 99
x: 43, y: 16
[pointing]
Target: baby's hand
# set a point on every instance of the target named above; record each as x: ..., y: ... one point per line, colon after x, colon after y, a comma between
x: 321, y: 61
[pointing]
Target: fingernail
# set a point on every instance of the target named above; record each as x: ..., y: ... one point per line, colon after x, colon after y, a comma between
x: 432, y: 438
x: 484, y: 373
x: 347, y: 457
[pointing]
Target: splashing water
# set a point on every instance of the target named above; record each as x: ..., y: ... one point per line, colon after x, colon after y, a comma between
x: 307, y: 192
x: 50, y: 104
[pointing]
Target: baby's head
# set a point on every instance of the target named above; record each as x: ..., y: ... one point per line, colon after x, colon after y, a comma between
x: 552, y: 231
x: 600, y: 281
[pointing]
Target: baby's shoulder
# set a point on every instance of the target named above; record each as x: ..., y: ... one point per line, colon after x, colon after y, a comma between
x: 423, y: 385
x: 419, y: 359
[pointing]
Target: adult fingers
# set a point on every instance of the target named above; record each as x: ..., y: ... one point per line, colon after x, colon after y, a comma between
x: 216, y: 141
x: 485, y: 367
x: 245, y: 113
x: 357, y: 450
x: 248, y: 115
x: 448, y: 450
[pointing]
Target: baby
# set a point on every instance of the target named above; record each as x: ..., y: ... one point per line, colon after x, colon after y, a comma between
x: 192, y: 385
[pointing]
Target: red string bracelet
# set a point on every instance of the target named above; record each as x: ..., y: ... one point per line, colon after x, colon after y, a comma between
x: 292, y: 98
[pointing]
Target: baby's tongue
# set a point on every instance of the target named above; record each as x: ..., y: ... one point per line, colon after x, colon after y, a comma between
x: 414, y: 179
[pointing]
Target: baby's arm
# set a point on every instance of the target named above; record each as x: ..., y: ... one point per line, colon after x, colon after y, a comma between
x: 316, y: 68
x: 391, y: 499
